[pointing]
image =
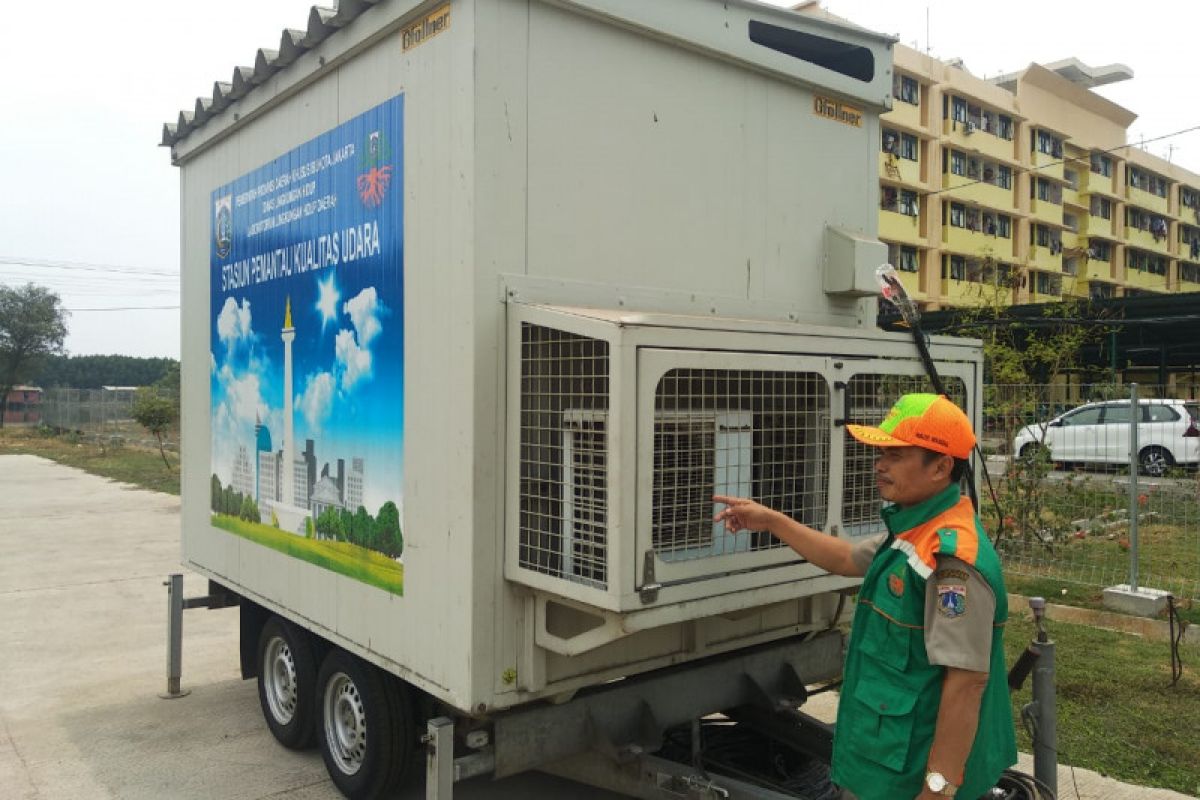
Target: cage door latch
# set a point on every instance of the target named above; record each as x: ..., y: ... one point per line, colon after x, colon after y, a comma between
x: 649, y: 590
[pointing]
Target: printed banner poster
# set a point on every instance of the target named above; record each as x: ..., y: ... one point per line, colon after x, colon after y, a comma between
x: 307, y: 347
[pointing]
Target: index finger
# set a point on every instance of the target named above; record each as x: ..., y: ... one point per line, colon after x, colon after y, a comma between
x: 729, y: 501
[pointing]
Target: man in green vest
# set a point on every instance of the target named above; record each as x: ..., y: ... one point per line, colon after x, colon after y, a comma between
x: 924, y: 710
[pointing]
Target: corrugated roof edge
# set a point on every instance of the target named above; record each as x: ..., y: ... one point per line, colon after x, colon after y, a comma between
x: 322, y: 22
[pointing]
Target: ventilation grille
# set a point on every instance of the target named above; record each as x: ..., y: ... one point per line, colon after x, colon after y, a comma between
x: 564, y: 444
x: 869, y: 398
x: 742, y: 432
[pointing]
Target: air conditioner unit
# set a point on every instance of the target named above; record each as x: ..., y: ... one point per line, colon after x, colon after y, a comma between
x: 969, y: 127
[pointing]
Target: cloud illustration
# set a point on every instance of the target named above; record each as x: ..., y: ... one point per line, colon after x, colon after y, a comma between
x: 352, y: 348
x: 233, y: 323
x: 243, y: 395
x: 364, y: 310
x: 316, y: 401
x: 355, y: 361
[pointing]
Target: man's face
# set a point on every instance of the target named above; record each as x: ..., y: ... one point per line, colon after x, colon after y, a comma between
x: 905, y: 476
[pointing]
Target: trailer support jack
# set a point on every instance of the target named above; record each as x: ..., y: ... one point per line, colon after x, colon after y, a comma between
x: 217, y: 597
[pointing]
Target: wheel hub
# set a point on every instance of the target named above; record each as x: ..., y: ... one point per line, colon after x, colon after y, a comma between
x: 279, y: 677
x: 345, y: 724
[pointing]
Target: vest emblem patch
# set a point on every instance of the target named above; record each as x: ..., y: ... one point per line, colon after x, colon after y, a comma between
x: 952, y: 600
x: 895, y: 585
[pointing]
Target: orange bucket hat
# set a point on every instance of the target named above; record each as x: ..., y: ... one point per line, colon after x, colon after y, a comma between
x: 921, y: 420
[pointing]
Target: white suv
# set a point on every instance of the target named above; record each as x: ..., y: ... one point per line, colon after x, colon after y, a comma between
x: 1098, y: 433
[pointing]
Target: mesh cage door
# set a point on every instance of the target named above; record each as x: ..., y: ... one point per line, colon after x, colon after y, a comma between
x: 726, y: 423
x: 866, y: 395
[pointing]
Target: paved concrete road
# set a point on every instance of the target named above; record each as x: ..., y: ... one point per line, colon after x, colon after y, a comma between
x: 82, y: 658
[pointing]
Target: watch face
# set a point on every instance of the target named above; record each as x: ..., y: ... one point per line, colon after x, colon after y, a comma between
x: 936, y: 782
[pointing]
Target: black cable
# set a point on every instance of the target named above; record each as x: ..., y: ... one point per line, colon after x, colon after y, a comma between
x: 1177, y: 629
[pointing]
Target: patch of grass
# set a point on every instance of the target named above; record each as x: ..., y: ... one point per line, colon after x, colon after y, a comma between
x: 108, y: 458
x: 1117, y: 712
x: 359, y: 563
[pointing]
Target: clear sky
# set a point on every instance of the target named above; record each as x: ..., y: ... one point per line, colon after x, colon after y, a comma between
x: 89, y: 206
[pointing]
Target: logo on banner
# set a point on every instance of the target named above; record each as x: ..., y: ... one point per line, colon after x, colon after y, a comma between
x: 373, y: 183
x: 223, y: 225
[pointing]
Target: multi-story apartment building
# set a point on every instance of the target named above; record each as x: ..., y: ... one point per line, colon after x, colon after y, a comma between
x: 1023, y: 187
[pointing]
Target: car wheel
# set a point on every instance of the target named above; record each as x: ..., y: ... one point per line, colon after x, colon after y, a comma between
x: 1030, y: 452
x: 287, y: 683
x: 367, y: 732
x: 1155, y: 461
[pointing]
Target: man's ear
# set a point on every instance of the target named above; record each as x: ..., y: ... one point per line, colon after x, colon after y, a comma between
x: 944, y: 467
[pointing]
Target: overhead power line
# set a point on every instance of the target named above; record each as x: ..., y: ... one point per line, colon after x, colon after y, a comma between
x: 83, y: 266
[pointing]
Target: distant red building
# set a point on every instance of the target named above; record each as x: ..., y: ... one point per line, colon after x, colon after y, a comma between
x: 24, y: 406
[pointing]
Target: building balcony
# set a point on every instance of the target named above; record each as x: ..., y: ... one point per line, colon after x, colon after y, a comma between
x: 1096, y: 226
x: 1146, y: 200
x: 1071, y: 197
x: 979, y: 141
x: 1137, y: 279
x: 1070, y: 240
x: 1144, y: 240
x: 1042, y: 258
x: 1183, y: 285
x: 1046, y: 211
x: 900, y: 228
x: 976, y: 243
x: 1047, y: 165
x: 971, y: 190
x: 905, y: 114
x: 910, y: 171
x: 1095, y: 270
x: 1095, y: 183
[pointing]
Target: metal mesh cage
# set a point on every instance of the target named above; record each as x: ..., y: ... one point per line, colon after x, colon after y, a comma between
x: 741, y: 432
x: 869, y: 398
x: 564, y: 455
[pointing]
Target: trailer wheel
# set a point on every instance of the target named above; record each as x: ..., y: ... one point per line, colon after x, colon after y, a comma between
x: 366, y: 731
x: 287, y: 683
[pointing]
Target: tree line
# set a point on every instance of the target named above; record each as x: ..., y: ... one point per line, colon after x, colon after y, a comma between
x: 380, y: 533
x: 92, y: 372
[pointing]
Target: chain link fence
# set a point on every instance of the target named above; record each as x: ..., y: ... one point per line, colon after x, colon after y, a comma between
x: 102, y: 416
x: 1091, y: 492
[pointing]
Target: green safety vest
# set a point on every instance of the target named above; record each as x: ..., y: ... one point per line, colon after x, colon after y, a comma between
x: 890, y: 694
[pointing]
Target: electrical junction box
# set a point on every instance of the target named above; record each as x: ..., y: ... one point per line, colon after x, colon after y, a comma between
x: 851, y: 259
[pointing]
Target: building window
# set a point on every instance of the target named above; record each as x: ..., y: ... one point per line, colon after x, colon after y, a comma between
x: 1141, y: 261
x: 954, y: 268
x: 1099, y: 251
x: 1189, y: 273
x: 907, y: 89
x: 1070, y: 221
x: 1046, y: 190
x: 1070, y: 266
x: 909, y: 205
x: 958, y: 107
x: 1004, y: 127
x: 891, y: 142
x: 1047, y: 283
x: 1004, y: 176
x: 1102, y: 165
x: 908, y: 146
x: 1190, y: 198
x: 958, y: 215
x: 903, y: 257
x: 1100, y: 291
x: 1045, y: 237
x: 1048, y: 143
x: 1146, y: 181
x: 1101, y: 207
x: 997, y: 225
x: 1072, y: 178
x: 958, y: 163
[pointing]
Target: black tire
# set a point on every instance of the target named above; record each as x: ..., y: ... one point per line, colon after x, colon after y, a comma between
x: 366, y: 733
x: 1155, y: 461
x: 1029, y: 452
x: 287, y: 683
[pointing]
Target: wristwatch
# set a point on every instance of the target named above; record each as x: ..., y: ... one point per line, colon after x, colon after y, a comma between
x: 936, y: 782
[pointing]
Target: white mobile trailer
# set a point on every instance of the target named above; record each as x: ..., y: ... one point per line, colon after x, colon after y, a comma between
x: 554, y: 272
